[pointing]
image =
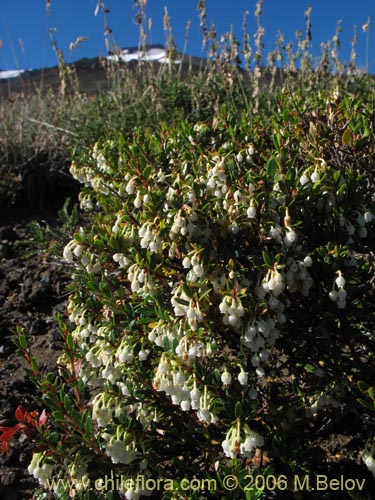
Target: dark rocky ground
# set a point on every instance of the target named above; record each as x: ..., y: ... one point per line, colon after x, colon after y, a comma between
x: 32, y: 290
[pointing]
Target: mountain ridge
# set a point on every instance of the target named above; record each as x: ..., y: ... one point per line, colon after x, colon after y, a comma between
x: 92, y: 73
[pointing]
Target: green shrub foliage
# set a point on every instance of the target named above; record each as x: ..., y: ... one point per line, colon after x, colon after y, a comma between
x: 214, y: 252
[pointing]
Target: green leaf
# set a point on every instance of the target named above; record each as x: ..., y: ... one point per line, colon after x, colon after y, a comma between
x: 371, y: 393
x: 276, y: 138
x: 34, y: 364
x: 238, y: 412
x: 58, y: 416
x: 271, y: 168
x: 309, y: 368
x: 68, y: 404
x: 269, y: 470
x: 347, y: 137
x: 22, y: 341
x: 362, y: 386
x: 366, y: 403
x: 290, y: 174
x: 187, y: 290
x: 267, y: 259
x: 181, y: 301
x: 69, y: 341
x: 89, y: 427
x: 166, y: 343
x: 54, y: 438
x: 204, y: 294
x: 147, y: 171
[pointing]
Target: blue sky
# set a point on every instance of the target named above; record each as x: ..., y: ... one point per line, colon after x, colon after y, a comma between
x: 25, y: 40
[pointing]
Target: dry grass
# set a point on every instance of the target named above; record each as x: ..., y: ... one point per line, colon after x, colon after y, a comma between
x: 51, y: 120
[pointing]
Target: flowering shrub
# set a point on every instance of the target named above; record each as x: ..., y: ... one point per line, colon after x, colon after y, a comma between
x: 212, y: 250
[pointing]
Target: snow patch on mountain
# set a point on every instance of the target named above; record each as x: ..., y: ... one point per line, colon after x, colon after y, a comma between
x: 155, y: 54
x: 13, y: 73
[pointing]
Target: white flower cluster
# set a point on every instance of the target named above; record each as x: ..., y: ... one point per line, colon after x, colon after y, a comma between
x: 135, y: 493
x: 100, y: 353
x: 297, y: 276
x: 216, y: 178
x: 286, y: 236
x: 357, y: 225
x: 122, y: 447
x: 339, y: 295
x: 243, y: 379
x: 195, y: 266
x: 40, y: 468
x: 273, y: 283
x: 150, y: 238
x: 199, y: 131
x: 323, y: 401
x: 256, y: 337
x: 190, y: 349
x: 183, y: 305
x: 83, y: 174
x: 140, y: 281
x: 183, y: 390
x: 122, y: 259
x: 232, y: 310
x: 205, y: 411
x: 183, y: 224
x: 369, y: 460
x: 312, y: 177
x: 87, y: 259
x: 101, y: 161
x: 352, y: 227
x: 102, y: 410
x: 246, y: 154
x: 85, y: 333
x: 241, y: 441
x: 163, y: 332
x: 93, y: 176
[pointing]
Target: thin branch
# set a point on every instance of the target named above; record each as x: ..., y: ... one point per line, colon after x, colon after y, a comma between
x: 52, y: 126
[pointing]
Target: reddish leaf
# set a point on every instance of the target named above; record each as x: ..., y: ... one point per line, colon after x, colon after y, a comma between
x: 19, y: 413
x: 4, y: 447
x: 6, y: 436
x: 28, y: 423
x: 77, y: 367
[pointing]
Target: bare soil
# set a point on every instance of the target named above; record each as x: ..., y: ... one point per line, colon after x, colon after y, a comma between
x: 32, y: 290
